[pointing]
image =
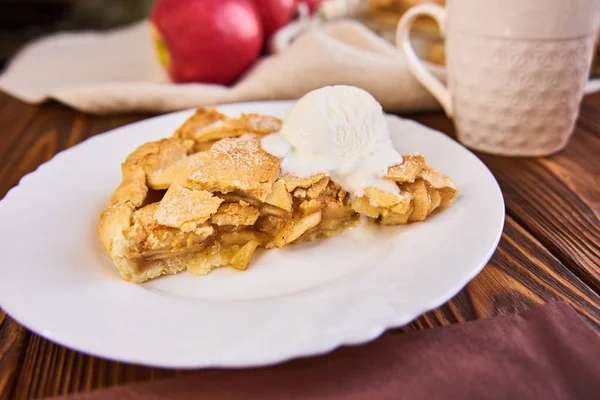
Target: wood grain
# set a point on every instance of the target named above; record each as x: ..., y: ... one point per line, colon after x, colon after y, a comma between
x: 13, y: 339
x: 50, y: 369
x: 548, y: 252
x: 14, y: 117
x: 554, y: 199
x: 588, y: 116
x: 37, y: 142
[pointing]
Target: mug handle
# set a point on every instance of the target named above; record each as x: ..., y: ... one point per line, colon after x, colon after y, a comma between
x: 437, y: 89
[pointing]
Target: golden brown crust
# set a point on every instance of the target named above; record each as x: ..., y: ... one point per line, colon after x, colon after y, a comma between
x: 422, y: 191
x: 292, y: 182
x: 209, y: 196
x: 235, y: 214
x: 408, y: 169
x: 235, y: 165
x: 207, y: 125
x: 185, y: 209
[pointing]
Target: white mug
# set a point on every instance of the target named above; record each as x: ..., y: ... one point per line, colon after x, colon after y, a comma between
x: 516, y: 69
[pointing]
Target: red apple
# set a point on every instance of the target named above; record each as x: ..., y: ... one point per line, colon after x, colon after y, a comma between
x: 313, y: 5
x: 275, y: 14
x: 210, y: 41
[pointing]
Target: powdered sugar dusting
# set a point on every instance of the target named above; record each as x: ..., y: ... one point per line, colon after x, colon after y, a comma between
x: 181, y: 205
x: 235, y: 164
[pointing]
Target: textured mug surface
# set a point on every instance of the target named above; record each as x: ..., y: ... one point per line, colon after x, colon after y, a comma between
x: 516, y: 70
x: 516, y: 97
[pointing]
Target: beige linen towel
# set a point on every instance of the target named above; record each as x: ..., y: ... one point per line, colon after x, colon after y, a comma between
x: 117, y: 71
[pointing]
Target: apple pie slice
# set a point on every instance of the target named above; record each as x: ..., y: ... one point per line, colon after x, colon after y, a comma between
x: 209, y: 196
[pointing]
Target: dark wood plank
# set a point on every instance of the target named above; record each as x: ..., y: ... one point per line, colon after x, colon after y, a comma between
x: 37, y: 143
x: 15, y: 116
x: 555, y: 199
x: 589, y: 116
x: 577, y: 167
x: 13, y: 339
x: 49, y: 369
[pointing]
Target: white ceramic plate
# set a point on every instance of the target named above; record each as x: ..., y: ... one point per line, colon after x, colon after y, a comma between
x: 302, y: 300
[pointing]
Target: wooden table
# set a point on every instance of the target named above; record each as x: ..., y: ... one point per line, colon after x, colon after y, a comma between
x: 550, y: 249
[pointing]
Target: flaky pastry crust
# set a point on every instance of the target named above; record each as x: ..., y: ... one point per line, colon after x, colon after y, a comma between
x: 209, y: 196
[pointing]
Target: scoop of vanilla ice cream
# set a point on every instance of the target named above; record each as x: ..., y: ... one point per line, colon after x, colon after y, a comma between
x: 340, y: 131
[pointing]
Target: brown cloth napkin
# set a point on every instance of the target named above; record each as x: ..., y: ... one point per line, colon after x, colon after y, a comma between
x: 545, y: 353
